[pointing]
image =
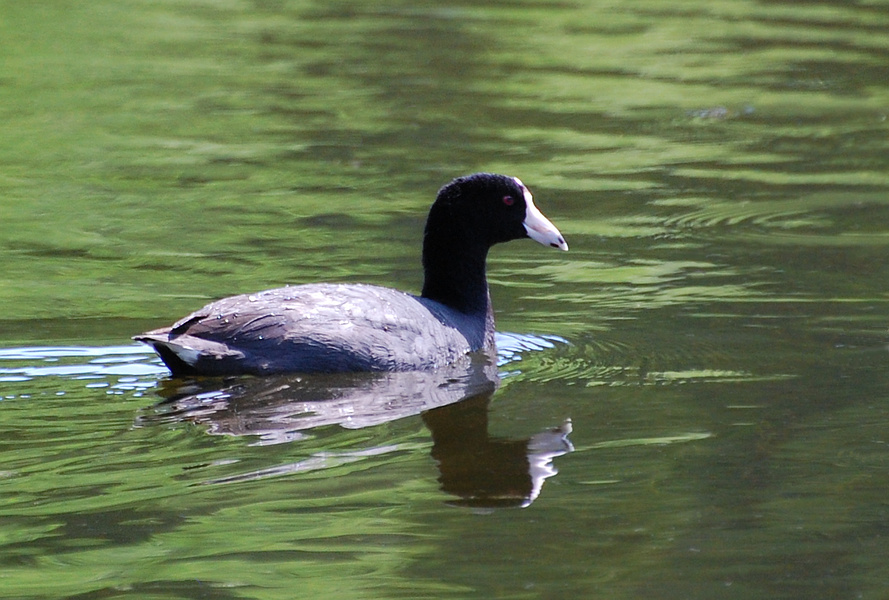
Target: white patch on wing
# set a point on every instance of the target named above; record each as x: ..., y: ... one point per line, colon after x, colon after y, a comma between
x: 186, y: 355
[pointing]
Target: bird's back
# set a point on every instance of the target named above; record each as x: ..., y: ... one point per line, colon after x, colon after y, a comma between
x: 318, y: 327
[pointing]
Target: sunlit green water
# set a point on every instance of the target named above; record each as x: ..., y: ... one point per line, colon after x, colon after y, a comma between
x: 717, y: 334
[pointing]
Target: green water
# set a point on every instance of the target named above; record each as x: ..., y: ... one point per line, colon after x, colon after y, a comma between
x: 717, y: 334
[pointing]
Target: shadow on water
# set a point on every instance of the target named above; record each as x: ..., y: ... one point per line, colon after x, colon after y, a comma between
x: 481, y: 470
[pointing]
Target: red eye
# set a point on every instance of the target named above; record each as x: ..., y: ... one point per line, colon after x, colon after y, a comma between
x: 508, y: 200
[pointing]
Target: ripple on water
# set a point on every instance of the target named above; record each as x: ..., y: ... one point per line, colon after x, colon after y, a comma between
x: 812, y: 219
x: 511, y: 346
x: 604, y: 362
x: 136, y: 367
x: 590, y: 361
x: 118, y: 368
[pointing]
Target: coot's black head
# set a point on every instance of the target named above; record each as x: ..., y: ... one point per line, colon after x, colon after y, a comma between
x: 485, y: 209
x: 470, y: 215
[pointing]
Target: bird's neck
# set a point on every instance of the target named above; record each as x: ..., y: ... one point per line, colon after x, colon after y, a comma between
x: 455, y: 274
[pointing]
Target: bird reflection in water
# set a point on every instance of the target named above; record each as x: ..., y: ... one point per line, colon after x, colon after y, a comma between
x: 480, y: 470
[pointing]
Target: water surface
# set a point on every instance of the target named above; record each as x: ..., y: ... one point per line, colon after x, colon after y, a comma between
x: 692, y: 403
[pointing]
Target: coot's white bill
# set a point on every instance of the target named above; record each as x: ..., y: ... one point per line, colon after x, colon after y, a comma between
x: 539, y: 228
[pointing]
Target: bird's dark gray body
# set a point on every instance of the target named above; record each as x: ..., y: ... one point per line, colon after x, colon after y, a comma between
x: 320, y: 327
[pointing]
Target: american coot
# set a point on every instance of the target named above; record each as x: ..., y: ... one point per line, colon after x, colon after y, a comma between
x: 355, y: 327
